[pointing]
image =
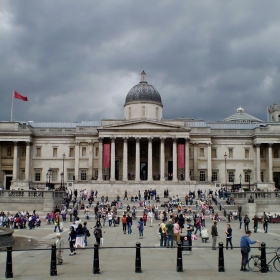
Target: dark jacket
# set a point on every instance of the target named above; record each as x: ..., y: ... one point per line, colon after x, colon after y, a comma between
x: 72, y: 235
x: 214, y: 230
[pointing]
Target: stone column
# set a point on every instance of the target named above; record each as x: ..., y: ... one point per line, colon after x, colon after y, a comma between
x: 187, y: 159
x: 27, y: 161
x: 124, y: 159
x: 258, y: 163
x: 150, y: 159
x: 209, y: 163
x: 1, y: 172
x: 137, y: 160
x: 270, y: 164
x: 77, y: 160
x: 162, y: 159
x: 15, y: 162
x: 195, y: 175
x: 90, y: 160
x: 100, y: 161
x: 113, y: 159
x: 175, y: 177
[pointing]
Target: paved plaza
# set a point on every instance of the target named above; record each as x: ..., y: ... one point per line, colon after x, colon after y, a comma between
x: 119, y: 263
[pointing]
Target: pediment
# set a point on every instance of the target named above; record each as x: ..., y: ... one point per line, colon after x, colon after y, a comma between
x: 144, y: 125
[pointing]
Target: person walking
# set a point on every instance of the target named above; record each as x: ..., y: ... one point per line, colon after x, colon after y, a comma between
x: 79, y: 236
x: 228, y: 232
x: 129, y: 224
x: 162, y: 231
x: 240, y: 221
x: 256, y: 221
x: 97, y: 233
x: 151, y: 217
x: 198, y: 226
x: 125, y: 195
x: 245, y: 242
x: 189, y: 229
x: 265, y: 222
x: 140, y: 227
x: 59, y: 249
x: 246, y: 222
x: 72, y: 239
x: 124, y: 224
x: 214, y: 233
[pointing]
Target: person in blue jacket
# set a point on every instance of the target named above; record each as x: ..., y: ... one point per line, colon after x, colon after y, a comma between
x: 245, y: 242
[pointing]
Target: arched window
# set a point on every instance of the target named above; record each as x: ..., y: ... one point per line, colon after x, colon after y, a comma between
x: 129, y: 112
x: 156, y: 112
x: 143, y: 111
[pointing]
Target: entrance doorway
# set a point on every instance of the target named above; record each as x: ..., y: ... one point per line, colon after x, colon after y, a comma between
x: 143, y: 171
x: 117, y: 169
x: 276, y: 179
x: 8, y: 180
x: 170, y: 170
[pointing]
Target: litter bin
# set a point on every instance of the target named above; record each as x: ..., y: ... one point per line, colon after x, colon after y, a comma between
x: 186, y: 241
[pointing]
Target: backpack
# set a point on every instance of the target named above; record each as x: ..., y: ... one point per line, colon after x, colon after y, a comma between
x: 247, y: 220
x: 265, y: 218
x: 95, y: 233
x: 160, y: 230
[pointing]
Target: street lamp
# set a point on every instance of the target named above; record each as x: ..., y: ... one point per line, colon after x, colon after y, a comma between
x: 233, y: 176
x: 225, y: 156
x: 62, y: 174
x: 249, y: 177
x: 240, y: 177
x: 49, y: 175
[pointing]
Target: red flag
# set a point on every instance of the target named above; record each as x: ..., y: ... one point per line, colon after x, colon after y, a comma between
x: 19, y: 96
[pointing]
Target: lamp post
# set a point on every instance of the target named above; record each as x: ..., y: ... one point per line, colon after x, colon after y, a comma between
x: 225, y: 156
x: 249, y: 177
x: 233, y: 176
x: 62, y: 174
x: 240, y: 177
x: 49, y: 175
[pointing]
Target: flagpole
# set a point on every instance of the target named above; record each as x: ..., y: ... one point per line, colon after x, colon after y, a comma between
x: 12, y: 106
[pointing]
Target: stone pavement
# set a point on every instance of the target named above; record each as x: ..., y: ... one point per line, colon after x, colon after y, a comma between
x: 119, y: 263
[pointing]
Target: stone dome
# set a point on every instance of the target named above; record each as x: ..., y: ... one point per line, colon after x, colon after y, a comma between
x: 143, y: 92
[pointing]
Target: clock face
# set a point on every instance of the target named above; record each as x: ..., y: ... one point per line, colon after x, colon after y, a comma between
x: 143, y: 152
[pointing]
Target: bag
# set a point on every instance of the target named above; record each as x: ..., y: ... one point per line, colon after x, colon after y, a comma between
x: 160, y: 230
x: 266, y: 218
x: 247, y: 220
x: 88, y: 234
x: 95, y: 233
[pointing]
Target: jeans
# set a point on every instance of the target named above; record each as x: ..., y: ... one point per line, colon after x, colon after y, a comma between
x: 140, y: 232
x: 198, y: 228
x: 245, y: 255
x: 163, y: 239
x: 58, y: 226
x: 228, y: 243
x: 85, y: 240
x: 129, y: 231
x: 246, y: 226
x: 255, y: 228
x: 104, y: 221
x: 214, y: 241
x: 110, y: 222
x: 170, y: 240
x: 265, y: 226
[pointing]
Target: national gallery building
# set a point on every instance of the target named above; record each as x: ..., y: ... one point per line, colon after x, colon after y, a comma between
x: 142, y: 151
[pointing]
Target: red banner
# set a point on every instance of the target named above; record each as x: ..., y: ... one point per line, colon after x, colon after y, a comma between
x: 181, y: 155
x: 106, y: 155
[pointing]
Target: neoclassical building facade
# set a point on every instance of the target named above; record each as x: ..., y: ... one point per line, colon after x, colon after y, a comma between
x: 143, y: 150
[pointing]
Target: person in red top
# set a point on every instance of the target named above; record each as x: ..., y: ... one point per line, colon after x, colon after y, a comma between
x: 124, y: 224
x: 145, y: 217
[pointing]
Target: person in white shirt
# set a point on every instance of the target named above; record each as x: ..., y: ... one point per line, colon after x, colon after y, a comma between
x: 151, y: 217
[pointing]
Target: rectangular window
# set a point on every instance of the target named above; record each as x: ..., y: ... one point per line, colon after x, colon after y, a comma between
x: 201, y: 152
x: 70, y: 175
x: 248, y: 176
x: 55, y: 175
x: 96, y: 152
x: 214, y: 153
x: 38, y: 152
x: 9, y: 151
x: 230, y: 153
x: 246, y: 153
x: 262, y: 176
x: 71, y: 152
x: 54, y: 152
x: 202, y: 176
x: 22, y: 174
x: 37, y: 175
x: 96, y: 173
x: 275, y: 153
x: 214, y: 176
x: 83, y: 175
x: 84, y: 151
x: 231, y: 176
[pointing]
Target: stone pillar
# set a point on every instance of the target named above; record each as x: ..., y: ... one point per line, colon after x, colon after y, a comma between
x: 187, y: 159
x: 137, y: 160
x: 162, y: 159
x: 175, y: 176
x: 270, y: 164
x: 209, y: 163
x: 150, y: 159
x: 1, y: 171
x: 258, y: 163
x: 90, y: 160
x: 77, y: 160
x: 27, y: 161
x: 15, y: 162
x: 124, y: 159
x: 195, y: 175
x: 113, y: 159
x: 100, y: 161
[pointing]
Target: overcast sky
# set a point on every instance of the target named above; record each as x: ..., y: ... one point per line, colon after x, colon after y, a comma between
x: 77, y: 60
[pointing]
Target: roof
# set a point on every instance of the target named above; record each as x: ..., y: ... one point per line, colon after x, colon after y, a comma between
x: 242, y: 117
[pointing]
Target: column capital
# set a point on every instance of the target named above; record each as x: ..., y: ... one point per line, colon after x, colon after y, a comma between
x: 77, y: 143
x: 162, y: 138
x: 174, y: 139
x: 257, y: 145
x: 208, y: 144
x: 28, y: 143
x: 125, y: 139
x: 137, y: 139
x: 187, y: 140
x: 15, y: 143
x: 100, y: 139
x: 195, y: 144
x: 90, y: 142
x: 150, y: 139
x: 270, y: 144
x: 113, y: 138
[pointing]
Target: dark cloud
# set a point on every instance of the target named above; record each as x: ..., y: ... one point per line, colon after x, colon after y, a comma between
x: 77, y: 60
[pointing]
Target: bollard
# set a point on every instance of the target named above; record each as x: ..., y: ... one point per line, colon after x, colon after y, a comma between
x: 9, y: 263
x: 179, y: 258
x: 138, y: 258
x: 263, y: 258
x: 221, y: 257
x: 53, y: 271
x: 96, y: 269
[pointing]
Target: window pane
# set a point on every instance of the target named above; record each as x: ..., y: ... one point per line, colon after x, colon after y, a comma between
x: 202, y: 176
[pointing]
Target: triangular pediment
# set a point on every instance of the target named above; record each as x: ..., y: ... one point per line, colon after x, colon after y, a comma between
x: 143, y: 125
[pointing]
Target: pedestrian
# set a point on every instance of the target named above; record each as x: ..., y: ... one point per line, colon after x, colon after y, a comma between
x: 176, y: 231
x: 151, y: 217
x: 265, y: 222
x: 189, y: 230
x: 246, y: 222
x: 86, y: 233
x: 79, y: 236
x: 129, y: 224
x: 72, y: 239
x: 240, y: 221
x: 256, y: 221
x: 245, y: 249
x: 162, y: 231
x: 57, y: 223
x: 124, y: 224
x: 144, y: 218
x: 140, y: 227
x: 125, y: 195
x: 98, y: 233
x: 228, y: 232
x: 170, y: 234
x: 198, y: 226
x: 214, y: 233
x: 59, y: 249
